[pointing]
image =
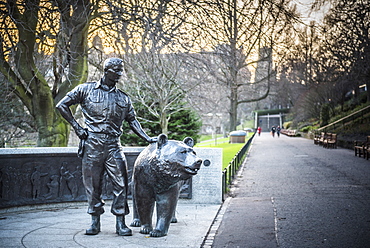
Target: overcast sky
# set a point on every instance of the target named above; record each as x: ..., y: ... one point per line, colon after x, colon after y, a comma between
x: 304, y: 7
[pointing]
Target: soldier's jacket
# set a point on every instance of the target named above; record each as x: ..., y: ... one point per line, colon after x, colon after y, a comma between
x: 104, y: 111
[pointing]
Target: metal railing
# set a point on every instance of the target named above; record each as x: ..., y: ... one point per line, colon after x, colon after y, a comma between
x: 228, y: 174
x: 344, y: 120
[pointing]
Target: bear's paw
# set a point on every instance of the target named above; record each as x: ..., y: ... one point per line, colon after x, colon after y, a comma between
x: 174, y: 219
x: 156, y: 233
x: 135, y: 223
x: 146, y: 229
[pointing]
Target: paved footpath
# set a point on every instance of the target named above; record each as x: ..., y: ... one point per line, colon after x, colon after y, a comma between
x: 63, y: 226
x: 292, y: 193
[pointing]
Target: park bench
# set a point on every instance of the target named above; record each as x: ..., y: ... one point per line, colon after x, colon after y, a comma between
x: 361, y: 147
x: 316, y: 138
x: 288, y: 132
x: 323, y: 137
x: 367, y: 152
x: 330, y: 141
x: 319, y: 138
x: 284, y: 131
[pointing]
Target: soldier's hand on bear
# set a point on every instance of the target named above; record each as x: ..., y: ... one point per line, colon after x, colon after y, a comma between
x: 152, y: 140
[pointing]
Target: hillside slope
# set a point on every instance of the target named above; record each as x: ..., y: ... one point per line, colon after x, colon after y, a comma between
x: 351, y: 129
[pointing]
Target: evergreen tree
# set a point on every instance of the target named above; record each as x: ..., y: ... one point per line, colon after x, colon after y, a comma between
x: 184, y: 123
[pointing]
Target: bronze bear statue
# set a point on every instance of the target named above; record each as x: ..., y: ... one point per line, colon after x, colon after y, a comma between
x: 158, y: 172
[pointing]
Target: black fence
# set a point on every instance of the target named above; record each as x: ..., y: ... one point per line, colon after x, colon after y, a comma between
x: 228, y: 174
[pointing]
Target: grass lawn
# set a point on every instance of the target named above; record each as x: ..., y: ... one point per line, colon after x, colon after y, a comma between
x: 212, y: 142
x: 228, y: 150
x: 209, y: 137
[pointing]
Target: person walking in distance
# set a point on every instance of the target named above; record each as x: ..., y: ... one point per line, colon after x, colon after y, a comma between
x: 278, y: 131
x: 273, y: 130
x: 104, y: 107
x: 259, y: 130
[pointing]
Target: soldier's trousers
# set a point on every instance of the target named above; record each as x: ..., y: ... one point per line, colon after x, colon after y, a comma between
x: 103, y: 153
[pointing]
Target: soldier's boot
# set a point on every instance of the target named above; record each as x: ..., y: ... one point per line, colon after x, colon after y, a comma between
x: 121, y: 228
x: 95, y: 225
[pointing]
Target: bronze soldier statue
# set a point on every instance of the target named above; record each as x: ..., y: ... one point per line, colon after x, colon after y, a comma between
x: 104, y: 107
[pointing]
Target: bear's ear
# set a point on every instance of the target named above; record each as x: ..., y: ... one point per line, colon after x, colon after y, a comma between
x: 162, y: 140
x: 189, y: 141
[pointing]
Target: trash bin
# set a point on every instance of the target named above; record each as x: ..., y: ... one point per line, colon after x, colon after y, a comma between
x: 237, y: 137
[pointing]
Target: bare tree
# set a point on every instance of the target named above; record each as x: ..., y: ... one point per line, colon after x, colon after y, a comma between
x: 330, y: 59
x: 155, y: 82
x: 234, y: 31
x: 150, y: 45
x: 346, y: 38
x: 45, y: 49
x: 298, y: 70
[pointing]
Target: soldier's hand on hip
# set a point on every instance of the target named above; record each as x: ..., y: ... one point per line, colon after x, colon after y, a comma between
x: 81, y: 132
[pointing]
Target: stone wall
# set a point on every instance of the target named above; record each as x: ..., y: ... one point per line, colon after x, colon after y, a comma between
x: 50, y: 175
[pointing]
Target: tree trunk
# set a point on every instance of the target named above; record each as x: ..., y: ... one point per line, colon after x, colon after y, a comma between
x: 57, y: 132
x: 164, y: 123
x: 29, y: 83
x: 233, y: 109
x: 233, y: 69
x: 38, y: 97
x: 55, y: 135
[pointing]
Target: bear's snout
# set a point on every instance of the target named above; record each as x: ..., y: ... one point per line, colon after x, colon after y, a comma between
x: 199, y: 163
x: 193, y: 169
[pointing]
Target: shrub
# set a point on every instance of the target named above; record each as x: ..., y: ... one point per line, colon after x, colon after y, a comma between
x: 287, y: 124
x: 306, y: 129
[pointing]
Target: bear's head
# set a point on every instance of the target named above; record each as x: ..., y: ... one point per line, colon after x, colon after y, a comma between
x: 163, y: 164
x: 177, y: 158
